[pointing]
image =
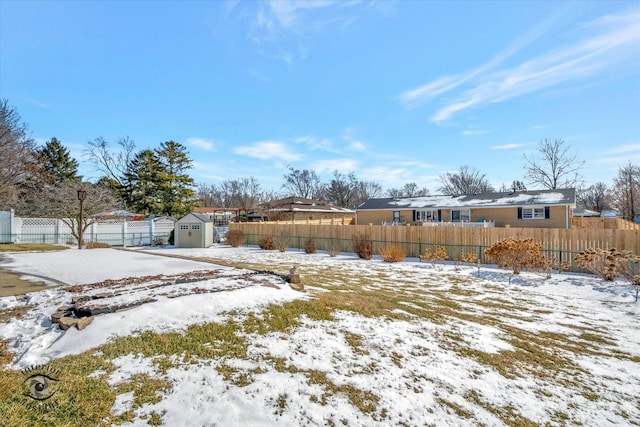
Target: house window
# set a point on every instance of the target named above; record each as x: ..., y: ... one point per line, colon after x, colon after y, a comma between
x: 184, y: 226
x: 427, y: 216
x: 533, y: 213
x: 461, y: 215
x: 396, y: 216
x: 195, y: 226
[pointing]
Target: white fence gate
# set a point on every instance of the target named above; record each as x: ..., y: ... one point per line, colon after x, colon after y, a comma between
x: 115, y: 232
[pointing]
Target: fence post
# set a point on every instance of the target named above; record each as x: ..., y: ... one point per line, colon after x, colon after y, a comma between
x: 151, y: 225
x: 12, y: 225
x: 16, y: 228
x: 124, y: 233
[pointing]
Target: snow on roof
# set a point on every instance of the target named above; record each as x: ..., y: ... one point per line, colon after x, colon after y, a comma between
x: 541, y: 197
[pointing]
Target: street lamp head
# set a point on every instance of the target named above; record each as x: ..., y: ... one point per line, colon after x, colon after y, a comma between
x: 82, y: 194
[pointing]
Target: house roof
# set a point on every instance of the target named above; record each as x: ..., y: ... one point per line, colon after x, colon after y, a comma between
x: 484, y: 200
x: 213, y: 210
x: 299, y: 204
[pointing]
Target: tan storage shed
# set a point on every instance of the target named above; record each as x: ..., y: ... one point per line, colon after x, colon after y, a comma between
x: 194, y: 231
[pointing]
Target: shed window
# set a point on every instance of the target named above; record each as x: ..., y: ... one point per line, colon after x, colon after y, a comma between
x: 184, y: 226
x: 195, y: 226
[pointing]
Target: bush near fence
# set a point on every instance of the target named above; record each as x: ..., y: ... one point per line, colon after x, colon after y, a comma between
x: 562, y: 244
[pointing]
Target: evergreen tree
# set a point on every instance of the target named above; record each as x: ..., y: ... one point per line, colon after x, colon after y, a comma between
x: 144, y: 182
x: 177, y: 194
x: 57, y: 163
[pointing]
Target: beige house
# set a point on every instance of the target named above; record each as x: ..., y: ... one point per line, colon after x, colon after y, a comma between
x: 530, y: 209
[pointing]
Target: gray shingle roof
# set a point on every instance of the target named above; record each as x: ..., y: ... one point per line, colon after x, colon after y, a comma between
x: 501, y: 199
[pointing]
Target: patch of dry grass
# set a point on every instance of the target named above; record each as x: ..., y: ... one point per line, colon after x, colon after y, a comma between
x: 446, y: 305
x: 30, y: 247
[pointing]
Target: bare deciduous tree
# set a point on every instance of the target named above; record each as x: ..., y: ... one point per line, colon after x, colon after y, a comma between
x: 410, y: 189
x: 18, y: 168
x: 302, y: 183
x: 366, y: 190
x: 348, y: 191
x: 516, y: 185
x: 113, y: 165
x: 597, y: 197
x: 244, y: 193
x: 61, y: 201
x: 626, y: 195
x: 556, y: 168
x: 465, y: 181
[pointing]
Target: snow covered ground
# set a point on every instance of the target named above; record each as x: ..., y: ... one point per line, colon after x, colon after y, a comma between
x: 406, y: 344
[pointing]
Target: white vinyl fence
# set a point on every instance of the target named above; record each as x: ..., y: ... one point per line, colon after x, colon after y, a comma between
x: 116, y: 232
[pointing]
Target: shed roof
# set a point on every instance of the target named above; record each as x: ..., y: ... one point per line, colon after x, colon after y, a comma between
x: 498, y: 199
x: 197, y: 216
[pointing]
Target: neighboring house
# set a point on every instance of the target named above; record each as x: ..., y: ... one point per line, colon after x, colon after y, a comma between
x: 194, y: 231
x: 537, y: 208
x: 298, y: 208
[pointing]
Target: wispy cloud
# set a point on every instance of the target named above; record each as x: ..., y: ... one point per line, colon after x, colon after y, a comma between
x: 202, y: 143
x: 357, y: 146
x: 604, y: 43
x: 397, y: 175
x: 330, y: 165
x: 313, y: 142
x: 353, y: 144
x: 507, y: 146
x: 265, y: 150
x: 629, y: 148
x: 617, y: 161
x: 287, y: 23
x: 37, y: 103
x: 415, y: 97
x: 473, y: 132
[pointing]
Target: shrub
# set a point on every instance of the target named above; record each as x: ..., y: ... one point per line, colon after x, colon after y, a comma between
x: 435, y: 253
x: 468, y: 258
x: 361, y: 245
x: 171, y: 238
x: 267, y: 243
x: 517, y: 254
x: 333, y: 247
x: 282, y: 241
x: 607, y: 263
x: 310, y: 246
x: 97, y: 245
x: 235, y: 237
x: 393, y: 253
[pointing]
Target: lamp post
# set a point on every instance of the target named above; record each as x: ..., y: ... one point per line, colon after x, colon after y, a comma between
x: 82, y: 194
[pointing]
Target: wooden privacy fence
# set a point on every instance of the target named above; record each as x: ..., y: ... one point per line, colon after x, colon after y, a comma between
x: 563, y: 244
x: 603, y: 222
x: 345, y: 220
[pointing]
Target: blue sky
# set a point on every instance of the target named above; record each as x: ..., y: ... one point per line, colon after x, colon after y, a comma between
x: 395, y: 92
